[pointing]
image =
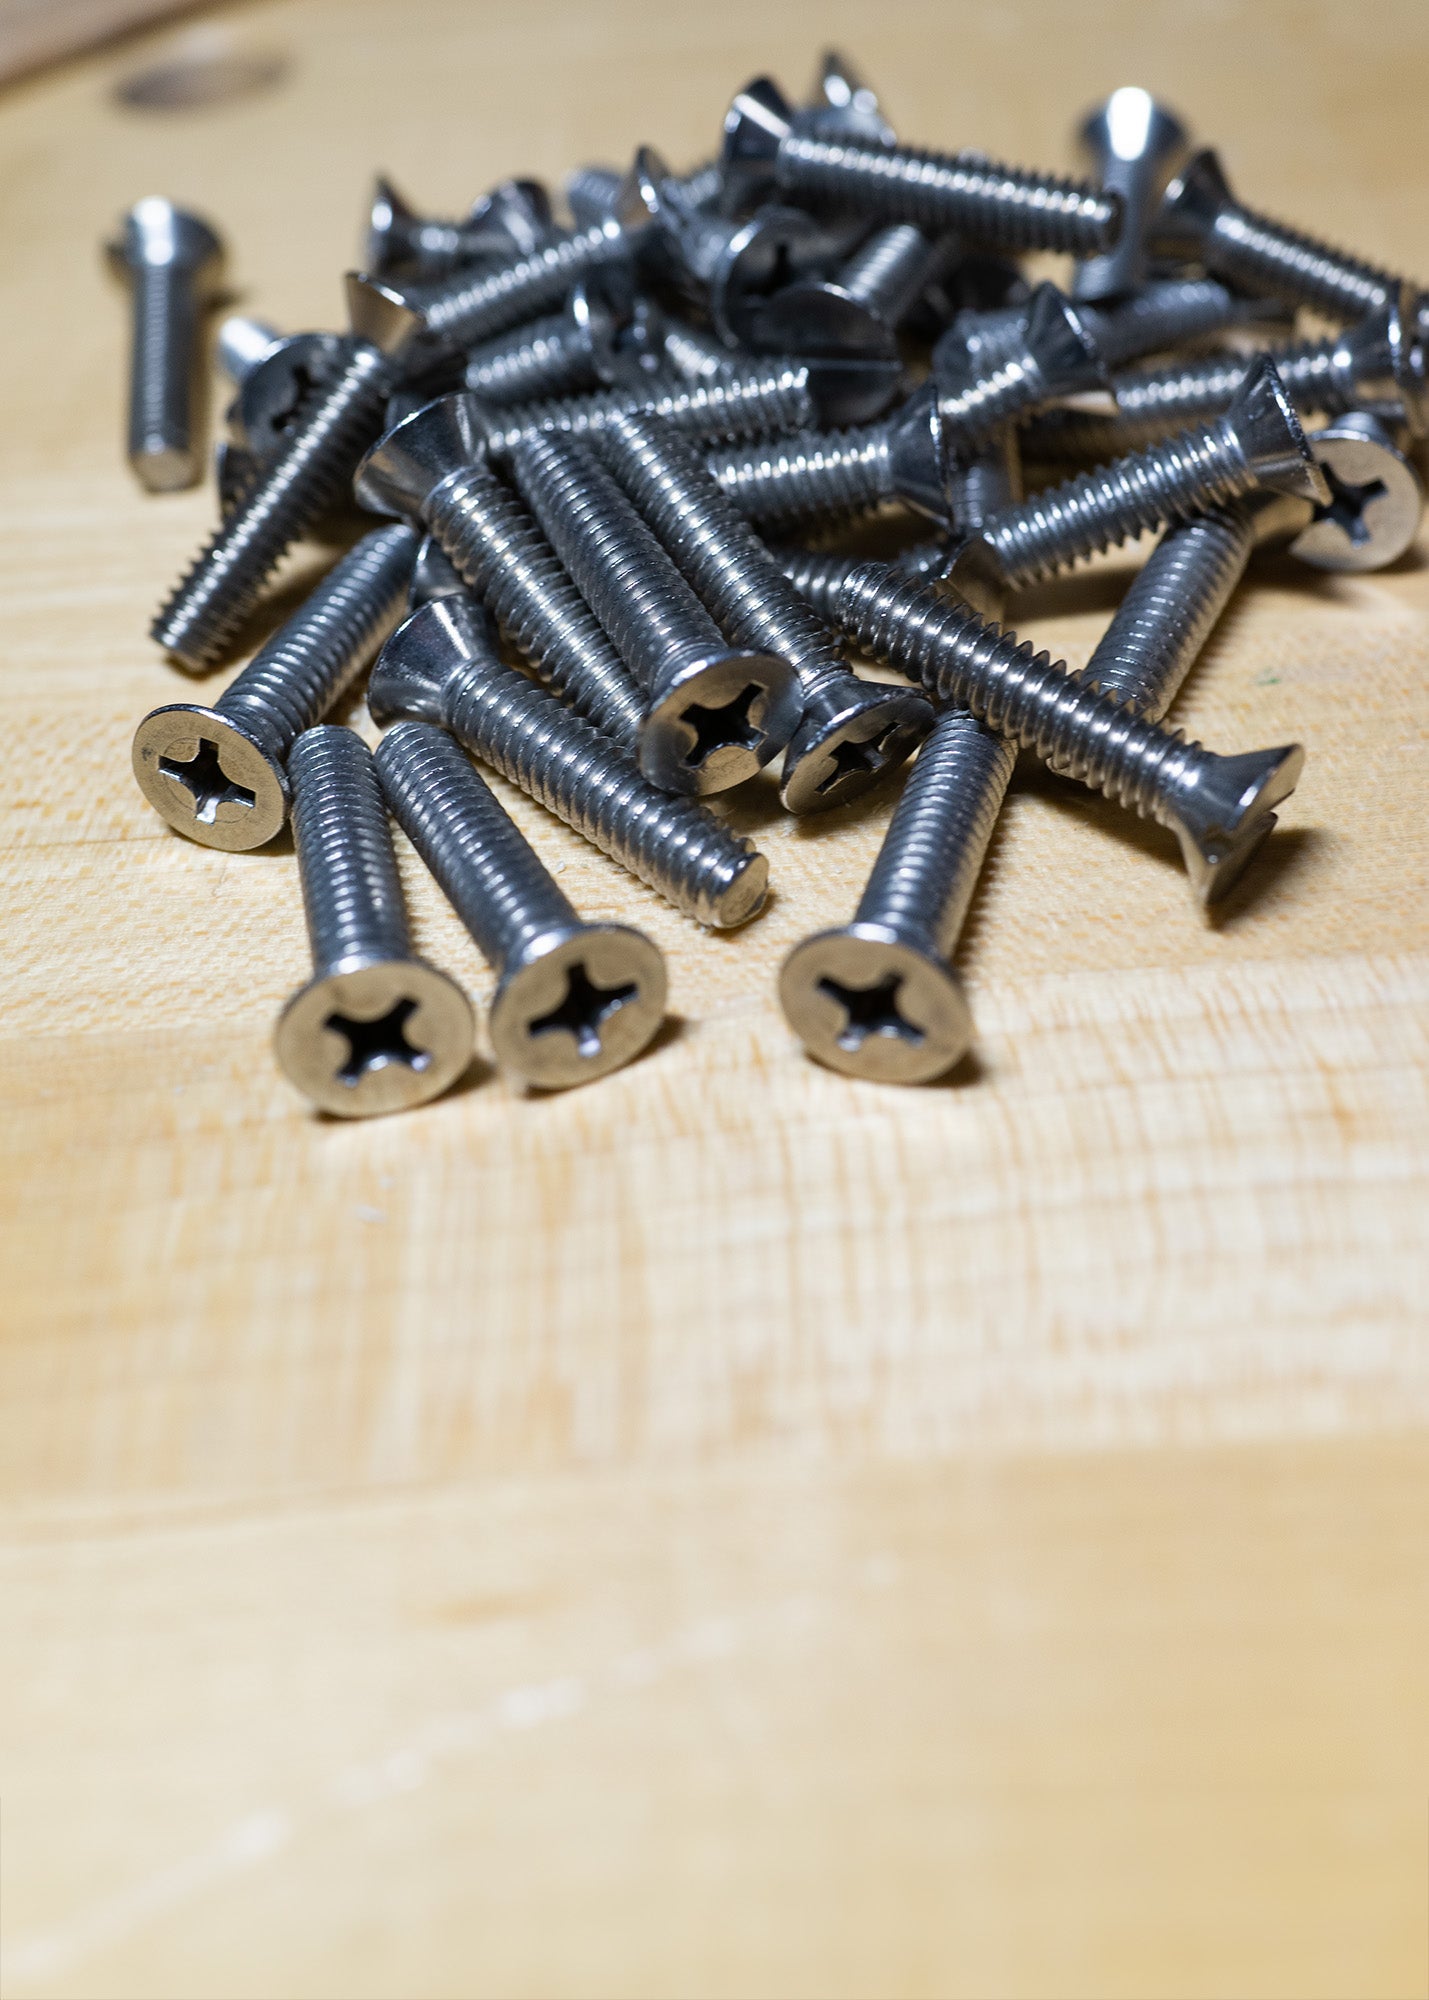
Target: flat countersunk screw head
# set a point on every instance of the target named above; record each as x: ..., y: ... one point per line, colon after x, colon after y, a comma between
x: 376, y: 1029
x: 1376, y: 499
x: 172, y: 260
x: 1133, y: 144
x: 209, y: 777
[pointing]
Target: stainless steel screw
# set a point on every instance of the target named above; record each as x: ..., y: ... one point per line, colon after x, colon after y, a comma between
x: 376, y: 1029
x: 477, y: 305
x: 715, y: 713
x: 205, y: 612
x: 428, y: 468
x: 1170, y: 313
x: 751, y: 400
x: 573, y: 1000
x: 1219, y: 808
x: 441, y: 666
x: 172, y: 260
x: 876, y: 998
x: 819, y: 574
x: 566, y: 352
x: 964, y: 192
x: 278, y: 391
x: 981, y: 483
x: 512, y: 221
x: 1133, y: 144
x: 1258, y: 442
x: 851, y: 731
x: 1201, y: 219
x: 219, y: 774
x: 832, y: 475
x: 694, y: 354
x: 844, y: 103
x: 242, y: 343
x: 1052, y: 354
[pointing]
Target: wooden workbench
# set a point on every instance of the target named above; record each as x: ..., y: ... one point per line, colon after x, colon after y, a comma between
x: 730, y: 1531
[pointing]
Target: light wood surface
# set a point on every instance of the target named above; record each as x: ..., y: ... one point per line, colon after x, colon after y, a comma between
x: 731, y: 1531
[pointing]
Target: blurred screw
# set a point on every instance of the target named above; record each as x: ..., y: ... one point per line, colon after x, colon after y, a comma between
x: 1052, y: 354
x: 570, y: 350
x: 514, y: 220
x: 172, y: 260
x: 1133, y: 143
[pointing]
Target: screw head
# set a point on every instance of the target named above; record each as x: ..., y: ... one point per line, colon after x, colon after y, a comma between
x: 718, y: 721
x: 840, y: 752
x: 210, y: 778
x: 272, y: 396
x: 157, y: 232
x: 1222, y: 819
x: 383, y: 1035
x: 871, y: 1005
x: 1376, y: 499
x: 580, y: 1004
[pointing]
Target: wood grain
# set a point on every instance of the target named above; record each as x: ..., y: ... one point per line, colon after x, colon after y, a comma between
x: 732, y: 1530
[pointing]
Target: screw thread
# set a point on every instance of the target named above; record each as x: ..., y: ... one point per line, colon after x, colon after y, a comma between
x: 746, y: 402
x: 1165, y: 618
x: 703, y: 185
x: 971, y: 409
x: 741, y: 584
x: 213, y: 599
x: 677, y: 847
x: 922, y: 881
x: 1006, y: 206
x: 696, y: 356
x: 500, y: 552
x: 889, y: 271
x: 1163, y: 316
x: 819, y: 476
x: 1182, y: 475
x: 298, y: 674
x: 163, y: 367
x: 982, y: 484
x: 352, y: 894
x: 550, y: 358
x: 486, y: 868
x: 473, y: 306
x: 1266, y: 256
x: 819, y: 575
x: 655, y: 619
x: 1022, y: 695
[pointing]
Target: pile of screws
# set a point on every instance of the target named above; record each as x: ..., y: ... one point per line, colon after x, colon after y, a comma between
x: 618, y: 453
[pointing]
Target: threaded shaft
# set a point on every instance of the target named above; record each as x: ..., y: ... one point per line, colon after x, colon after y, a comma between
x: 1165, y: 315
x: 210, y: 604
x: 822, y: 475
x: 1266, y: 256
x: 591, y: 193
x: 297, y: 675
x: 697, y: 356
x: 703, y: 185
x: 163, y: 379
x: 677, y: 847
x: 923, y: 879
x: 352, y: 894
x: 1182, y: 475
x: 500, y: 552
x: 656, y: 621
x: 983, y: 483
x: 976, y: 197
x: 889, y: 271
x: 1166, y: 617
x: 748, y: 402
x: 1024, y: 696
x: 483, y: 863
x: 732, y: 571
x: 819, y: 576
x: 973, y: 407
x: 474, y: 306
x: 548, y: 357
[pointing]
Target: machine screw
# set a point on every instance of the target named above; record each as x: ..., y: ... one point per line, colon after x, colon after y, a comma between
x: 242, y: 343
x: 573, y: 1000
x: 819, y: 575
x: 876, y: 998
x: 851, y: 320
x: 1201, y: 220
x: 828, y: 475
x: 749, y: 400
x: 1133, y: 144
x: 512, y: 221
x: 980, y: 484
x: 844, y: 105
x: 1219, y: 808
x: 715, y: 713
x: 208, y: 608
x: 220, y: 774
x: 851, y: 731
x: 376, y: 1029
x: 1172, y: 312
x: 172, y: 260
x: 277, y: 391
x: 477, y: 305
x: 434, y: 575
x: 1258, y: 442
x: 441, y: 666
x: 428, y: 469
x: 1051, y: 355
x: 565, y: 352
x: 766, y: 144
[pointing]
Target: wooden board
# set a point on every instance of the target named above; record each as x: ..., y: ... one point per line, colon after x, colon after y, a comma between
x: 730, y: 1531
